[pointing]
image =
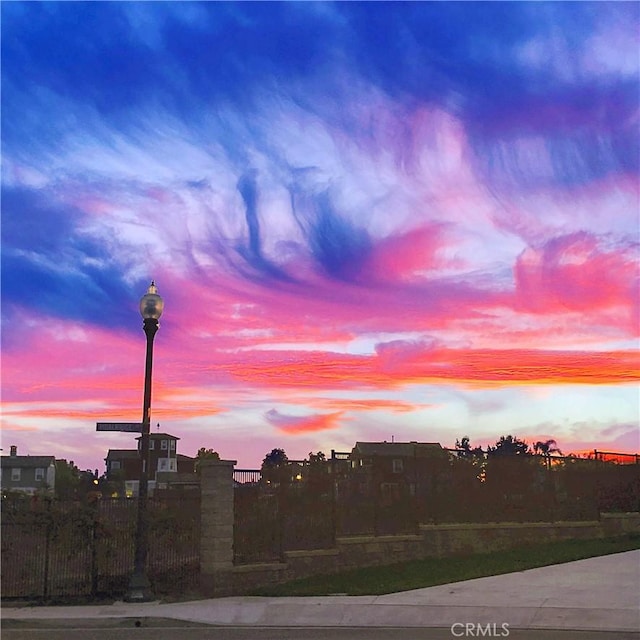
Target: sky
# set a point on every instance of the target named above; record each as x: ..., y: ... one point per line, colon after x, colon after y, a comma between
x: 368, y: 221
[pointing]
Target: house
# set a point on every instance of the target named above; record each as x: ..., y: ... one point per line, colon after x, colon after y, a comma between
x: 339, y: 463
x: 398, y: 466
x: 28, y: 473
x: 124, y: 465
x: 395, y: 458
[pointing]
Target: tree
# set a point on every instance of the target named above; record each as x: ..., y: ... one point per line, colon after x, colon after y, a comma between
x: 316, y: 459
x: 204, y: 454
x: 318, y: 477
x: 545, y: 449
x: 464, y: 449
x: 72, y: 483
x: 275, y: 458
x: 509, y: 446
x: 113, y: 484
x: 275, y: 467
x: 67, y: 480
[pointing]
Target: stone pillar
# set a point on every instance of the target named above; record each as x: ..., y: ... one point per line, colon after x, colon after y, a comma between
x: 216, y: 526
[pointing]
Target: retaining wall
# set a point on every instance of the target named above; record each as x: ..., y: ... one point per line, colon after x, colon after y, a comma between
x: 434, y: 541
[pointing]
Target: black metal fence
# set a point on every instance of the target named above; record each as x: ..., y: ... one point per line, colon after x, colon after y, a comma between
x: 310, y: 512
x: 271, y: 519
x: 53, y: 549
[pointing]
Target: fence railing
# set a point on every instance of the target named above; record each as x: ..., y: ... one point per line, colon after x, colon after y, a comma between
x: 620, y: 458
x: 247, y: 476
x: 56, y: 549
x: 274, y: 517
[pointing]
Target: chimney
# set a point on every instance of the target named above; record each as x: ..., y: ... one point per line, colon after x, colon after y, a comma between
x: 14, y: 450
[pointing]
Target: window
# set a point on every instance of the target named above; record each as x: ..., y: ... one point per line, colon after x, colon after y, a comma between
x: 397, y: 465
x: 152, y: 445
x: 172, y: 464
x: 39, y: 475
x: 163, y: 445
x: 389, y: 492
x: 162, y: 464
x: 115, y: 465
x: 15, y: 474
x: 173, y: 445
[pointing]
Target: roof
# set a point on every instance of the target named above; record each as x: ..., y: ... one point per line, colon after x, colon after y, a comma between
x: 122, y: 453
x: 27, y: 461
x: 134, y: 453
x: 154, y: 435
x: 401, y: 449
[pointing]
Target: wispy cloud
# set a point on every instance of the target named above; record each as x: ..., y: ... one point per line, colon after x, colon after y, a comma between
x: 324, y: 214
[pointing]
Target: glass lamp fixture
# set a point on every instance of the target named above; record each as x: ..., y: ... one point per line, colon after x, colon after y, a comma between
x: 151, y: 304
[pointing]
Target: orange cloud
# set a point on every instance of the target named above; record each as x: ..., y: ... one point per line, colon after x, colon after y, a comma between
x: 409, y: 364
x: 294, y: 425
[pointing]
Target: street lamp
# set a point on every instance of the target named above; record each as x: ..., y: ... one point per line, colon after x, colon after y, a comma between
x: 151, y: 307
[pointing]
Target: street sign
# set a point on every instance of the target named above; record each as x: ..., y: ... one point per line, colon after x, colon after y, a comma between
x: 132, y: 427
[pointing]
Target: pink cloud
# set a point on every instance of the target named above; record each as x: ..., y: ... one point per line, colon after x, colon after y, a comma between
x: 293, y: 425
x: 408, y: 255
x: 576, y: 272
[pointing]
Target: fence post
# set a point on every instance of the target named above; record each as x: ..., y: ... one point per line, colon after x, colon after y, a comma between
x: 94, y: 551
x: 216, y: 526
x: 47, y: 549
x: 334, y: 511
x: 281, y: 513
x: 376, y: 507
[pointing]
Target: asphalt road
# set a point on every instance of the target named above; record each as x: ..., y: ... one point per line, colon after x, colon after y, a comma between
x: 174, y: 630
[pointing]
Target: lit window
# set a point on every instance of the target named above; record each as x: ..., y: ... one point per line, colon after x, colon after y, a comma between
x: 115, y: 465
x: 15, y: 474
x: 398, y: 466
x: 39, y: 475
x: 164, y: 445
x: 173, y: 445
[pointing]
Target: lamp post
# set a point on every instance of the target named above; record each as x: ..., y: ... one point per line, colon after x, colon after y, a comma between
x: 151, y: 306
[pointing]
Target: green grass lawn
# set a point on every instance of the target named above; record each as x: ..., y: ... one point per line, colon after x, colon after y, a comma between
x: 429, y: 572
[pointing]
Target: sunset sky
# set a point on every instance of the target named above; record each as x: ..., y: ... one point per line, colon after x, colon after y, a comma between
x: 367, y: 220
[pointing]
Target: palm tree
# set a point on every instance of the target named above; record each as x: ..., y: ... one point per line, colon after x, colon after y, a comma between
x: 545, y: 449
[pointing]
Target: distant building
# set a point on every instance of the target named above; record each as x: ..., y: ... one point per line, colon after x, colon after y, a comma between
x: 339, y: 463
x: 165, y: 464
x: 395, y: 457
x: 396, y: 465
x: 28, y: 473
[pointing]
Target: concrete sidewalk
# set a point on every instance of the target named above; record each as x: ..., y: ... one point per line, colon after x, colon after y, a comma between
x: 597, y: 594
